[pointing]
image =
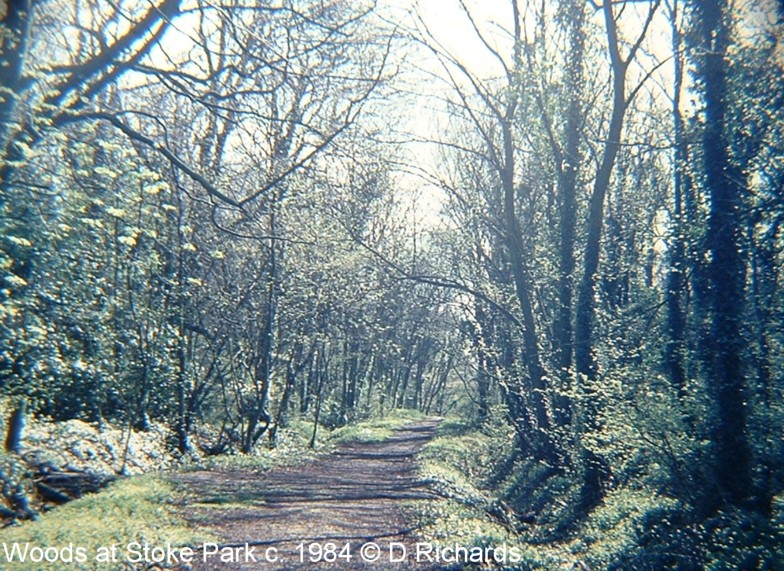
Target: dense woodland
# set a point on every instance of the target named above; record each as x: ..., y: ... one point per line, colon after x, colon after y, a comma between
x: 210, y: 218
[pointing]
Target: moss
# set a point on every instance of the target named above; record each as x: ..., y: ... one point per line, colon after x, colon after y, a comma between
x: 139, y: 509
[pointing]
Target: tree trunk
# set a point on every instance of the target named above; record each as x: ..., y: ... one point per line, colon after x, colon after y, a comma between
x: 16, y: 423
x: 584, y: 357
x: 726, y: 271
x: 322, y: 377
x: 280, y: 417
x: 182, y: 423
x: 523, y: 288
x: 676, y: 321
x: 482, y: 373
x: 585, y: 360
x: 567, y: 207
x: 13, y: 49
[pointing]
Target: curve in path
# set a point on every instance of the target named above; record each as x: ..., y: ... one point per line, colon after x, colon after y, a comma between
x: 349, y: 498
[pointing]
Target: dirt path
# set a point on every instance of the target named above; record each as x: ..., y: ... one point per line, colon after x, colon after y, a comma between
x: 350, y: 499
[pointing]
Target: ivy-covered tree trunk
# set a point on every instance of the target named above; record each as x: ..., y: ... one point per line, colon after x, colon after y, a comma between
x: 183, y: 377
x: 523, y: 289
x: 584, y: 357
x: 567, y: 208
x: 676, y: 321
x: 13, y: 47
x: 481, y: 343
x: 585, y: 360
x: 727, y: 271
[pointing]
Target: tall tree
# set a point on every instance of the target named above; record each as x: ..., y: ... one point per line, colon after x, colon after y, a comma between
x: 584, y: 348
x: 568, y: 165
x: 724, y: 182
x: 676, y: 319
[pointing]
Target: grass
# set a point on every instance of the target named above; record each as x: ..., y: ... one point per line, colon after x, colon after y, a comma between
x: 139, y: 509
x: 454, y: 464
x: 375, y: 429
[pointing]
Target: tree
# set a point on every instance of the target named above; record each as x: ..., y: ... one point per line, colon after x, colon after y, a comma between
x: 492, y: 112
x: 154, y: 228
x: 725, y: 187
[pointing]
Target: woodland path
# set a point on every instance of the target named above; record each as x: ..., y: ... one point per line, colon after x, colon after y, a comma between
x: 350, y: 497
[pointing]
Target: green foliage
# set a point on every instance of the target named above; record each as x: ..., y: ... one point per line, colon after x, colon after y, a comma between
x: 622, y: 532
x: 744, y: 539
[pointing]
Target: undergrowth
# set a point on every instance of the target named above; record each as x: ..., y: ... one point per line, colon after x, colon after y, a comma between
x: 488, y: 496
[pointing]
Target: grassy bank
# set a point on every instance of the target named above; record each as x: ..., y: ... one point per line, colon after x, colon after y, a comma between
x: 375, y: 429
x: 460, y: 465
x: 489, y: 498
x: 138, y: 509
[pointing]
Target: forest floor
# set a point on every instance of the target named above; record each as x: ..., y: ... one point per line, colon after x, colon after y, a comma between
x: 349, y: 498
